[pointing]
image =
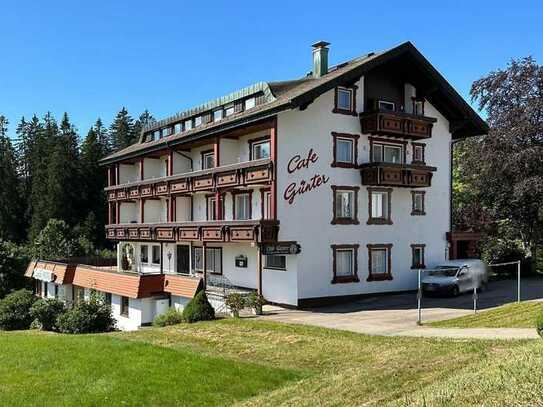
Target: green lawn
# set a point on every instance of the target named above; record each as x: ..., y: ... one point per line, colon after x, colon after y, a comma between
x: 252, y: 362
x: 517, y: 315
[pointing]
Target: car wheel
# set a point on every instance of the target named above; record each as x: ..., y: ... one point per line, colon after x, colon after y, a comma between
x: 455, y: 291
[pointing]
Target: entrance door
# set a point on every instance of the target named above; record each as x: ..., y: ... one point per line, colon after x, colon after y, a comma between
x: 183, y: 263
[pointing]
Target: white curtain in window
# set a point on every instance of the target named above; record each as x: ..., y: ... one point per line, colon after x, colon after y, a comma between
x: 344, y: 151
x: 242, y: 206
x: 378, y: 261
x: 378, y: 204
x: 344, y: 204
x: 393, y: 154
x: 344, y: 263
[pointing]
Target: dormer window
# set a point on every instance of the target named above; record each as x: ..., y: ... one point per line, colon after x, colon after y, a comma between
x: 166, y: 131
x: 177, y: 128
x: 156, y: 135
x: 187, y: 124
x: 250, y: 103
x: 386, y: 106
x: 197, y: 121
x: 229, y: 110
x: 217, y: 115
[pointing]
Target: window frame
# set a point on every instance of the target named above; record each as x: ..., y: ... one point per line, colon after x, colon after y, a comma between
x: 227, y: 109
x: 415, y: 146
x: 147, y: 254
x: 255, y: 142
x: 187, y: 128
x: 213, y: 197
x: 387, y: 247
x: 345, y: 136
x: 353, y: 278
x: 212, y: 248
x: 336, y: 220
x: 383, y: 142
x: 414, y: 248
x: 352, y: 91
x: 253, y: 98
x: 153, y: 263
x: 282, y: 268
x: 414, y: 210
x: 203, y: 155
x: 417, y: 102
x: 265, y: 200
x: 386, y: 102
x: 125, y: 308
x: 235, y: 195
x: 384, y: 220
x: 215, y: 119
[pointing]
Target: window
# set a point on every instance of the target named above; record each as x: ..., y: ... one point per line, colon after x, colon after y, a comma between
x: 229, y: 110
x: 211, y: 207
x: 250, y: 103
x: 345, y: 205
x: 124, y: 306
x: 417, y: 251
x: 345, y: 150
x: 78, y: 294
x: 144, y: 254
x: 275, y: 262
x: 266, y: 204
x: 208, y: 159
x: 213, y: 259
x: 56, y: 291
x: 242, y: 206
x: 197, y: 121
x: 387, y: 153
x: 217, y: 115
x: 156, y: 254
x: 379, y: 262
x: 345, y: 263
x: 39, y: 286
x: 379, y: 206
x: 388, y: 106
x: 260, y: 149
x: 188, y: 124
x: 418, y: 107
x: 156, y: 135
x: 418, y: 153
x: 418, y: 204
x: 345, y: 101
x: 166, y: 131
x: 107, y: 299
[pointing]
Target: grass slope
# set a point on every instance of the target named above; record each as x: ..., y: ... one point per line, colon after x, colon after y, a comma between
x: 48, y: 369
x: 258, y: 363
x: 507, y: 316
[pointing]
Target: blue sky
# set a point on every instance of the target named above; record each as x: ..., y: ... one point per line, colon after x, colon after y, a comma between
x: 91, y: 58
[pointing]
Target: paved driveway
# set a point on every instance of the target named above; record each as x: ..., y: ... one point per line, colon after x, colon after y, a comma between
x: 396, y: 314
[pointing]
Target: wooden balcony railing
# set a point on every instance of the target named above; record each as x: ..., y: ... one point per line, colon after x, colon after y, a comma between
x: 241, y: 174
x: 396, y: 175
x: 210, y: 231
x: 397, y: 124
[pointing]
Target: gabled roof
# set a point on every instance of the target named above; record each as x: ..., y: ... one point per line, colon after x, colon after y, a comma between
x: 280, y: 96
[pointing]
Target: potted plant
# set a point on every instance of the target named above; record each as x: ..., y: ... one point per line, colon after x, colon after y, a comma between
x: 256, y: 301
x: 235, y: 302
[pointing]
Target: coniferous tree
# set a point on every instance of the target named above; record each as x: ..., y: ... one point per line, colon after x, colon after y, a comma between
x: 121, y: 130
x: 10, y: 205
x: 145, y: 118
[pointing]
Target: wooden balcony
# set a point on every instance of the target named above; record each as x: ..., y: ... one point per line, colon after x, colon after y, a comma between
x: 397, y: 175
x: 210, y: 231
x: 257, y: 172
x: 397, y: 124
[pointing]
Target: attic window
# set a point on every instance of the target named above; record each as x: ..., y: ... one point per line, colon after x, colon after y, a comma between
x: 166, y: 131
x: 197, y: 121
x: 217, y: 115
x: 177, y: 128
x: 188, y: 125
x: 387, y: 106
x: 229, y: 110
x: 250, y: 103
x: 345, y: 100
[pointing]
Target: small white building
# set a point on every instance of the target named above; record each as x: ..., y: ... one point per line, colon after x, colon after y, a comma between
x: 324, y: 188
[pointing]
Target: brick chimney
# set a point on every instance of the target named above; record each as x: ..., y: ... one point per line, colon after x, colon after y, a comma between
x: 320, y: 58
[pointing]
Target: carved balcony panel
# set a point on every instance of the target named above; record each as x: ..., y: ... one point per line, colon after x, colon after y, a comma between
x: 397, y: 124
x: 396, y: 175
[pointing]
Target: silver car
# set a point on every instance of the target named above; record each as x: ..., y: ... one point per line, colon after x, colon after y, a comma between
x: 455, y: 277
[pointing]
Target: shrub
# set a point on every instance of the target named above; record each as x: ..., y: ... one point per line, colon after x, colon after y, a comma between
x: 539, y: 324
x: 236, y: 302
x: 45, y: 312
x: 256, y: 301
x: 199, y: 309
x: 87, y: 317
x: 15, y: 310
x: 170, y: 317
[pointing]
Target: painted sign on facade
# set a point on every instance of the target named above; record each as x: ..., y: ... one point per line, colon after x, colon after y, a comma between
x: 297, y: 163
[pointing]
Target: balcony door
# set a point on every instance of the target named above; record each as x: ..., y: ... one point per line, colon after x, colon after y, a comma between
x: 183, y: 259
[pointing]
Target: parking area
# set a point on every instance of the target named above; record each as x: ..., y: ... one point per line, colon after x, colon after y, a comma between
x: 396, y: 314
